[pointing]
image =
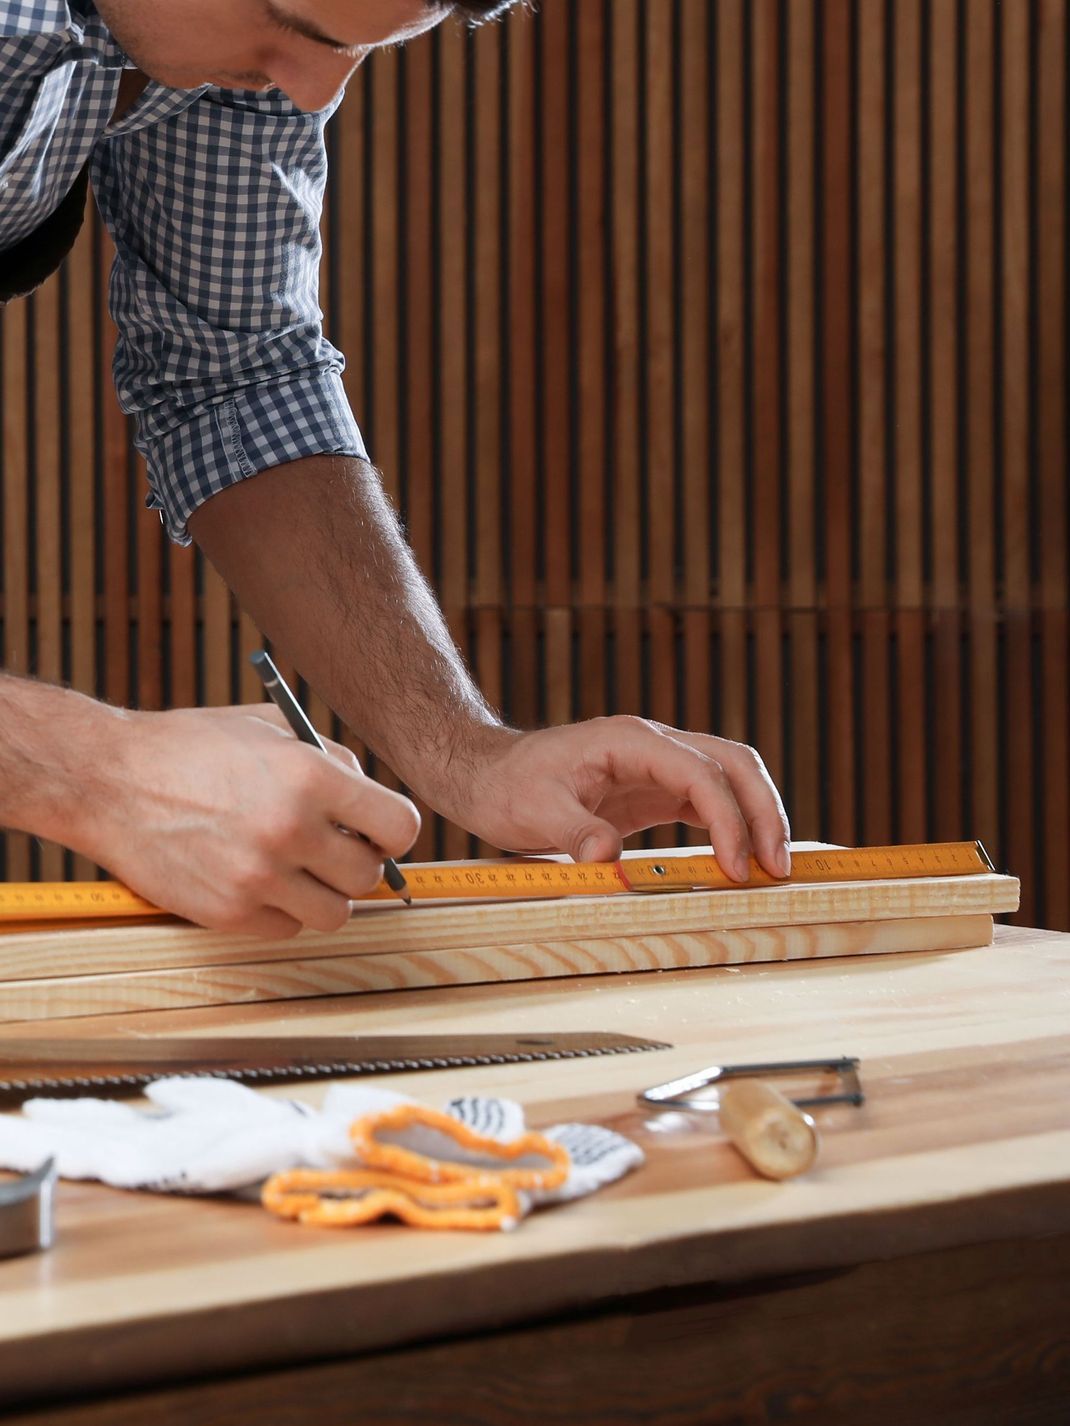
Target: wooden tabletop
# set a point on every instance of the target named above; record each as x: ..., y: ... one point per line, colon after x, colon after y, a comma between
x: 965, y: 1138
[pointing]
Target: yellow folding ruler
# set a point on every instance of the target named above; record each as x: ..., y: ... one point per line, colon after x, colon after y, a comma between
x: 529, y: 879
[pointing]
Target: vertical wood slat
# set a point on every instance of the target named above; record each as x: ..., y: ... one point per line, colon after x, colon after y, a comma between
x: 910, y: 715
x: 942, y: 392
x: 81, y: 460
x: 1014, y: 455
x: 980, y: 432
x: 835, y: 417
x: 593, y: 362
x: 732, y: 531
x: 16, y: 530
x: 668, y: 306
x: 875, y: 734
x: 48, y: 585
x: 804, y: 792
x: 625, y: 262
x: 1054, y: 756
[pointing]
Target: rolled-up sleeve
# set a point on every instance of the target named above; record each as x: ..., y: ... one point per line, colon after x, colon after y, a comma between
x: 221, y: 356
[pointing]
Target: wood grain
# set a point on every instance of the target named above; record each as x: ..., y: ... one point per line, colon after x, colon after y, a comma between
x: 963, y: 1142
x: 56, y: 997
x: 987, y: 1343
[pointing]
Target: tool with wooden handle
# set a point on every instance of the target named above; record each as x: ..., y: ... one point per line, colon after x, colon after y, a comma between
x: 774, y: 1135
x: 35, y: 903
x: 768, y: 1129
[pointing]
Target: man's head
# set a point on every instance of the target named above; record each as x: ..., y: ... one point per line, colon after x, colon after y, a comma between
x: 306, y: 48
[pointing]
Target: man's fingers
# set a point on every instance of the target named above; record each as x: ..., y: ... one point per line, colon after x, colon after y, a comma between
x: 309, y: 902
x: 754, y: 791
x: 345, y: 863
x: 389, y: 820
x: 692, y: 777
x: 585, y: 838
x: 761, y: 805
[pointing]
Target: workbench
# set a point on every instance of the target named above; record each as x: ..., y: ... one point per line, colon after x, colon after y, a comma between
x: 919, y: 1273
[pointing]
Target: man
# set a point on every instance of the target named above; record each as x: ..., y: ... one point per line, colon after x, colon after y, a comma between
x: 201, y: 124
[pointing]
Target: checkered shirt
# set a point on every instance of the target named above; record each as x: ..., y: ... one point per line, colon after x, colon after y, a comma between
x: 213, y: 199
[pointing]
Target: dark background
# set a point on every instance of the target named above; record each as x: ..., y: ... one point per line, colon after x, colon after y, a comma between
x: 716, y: 354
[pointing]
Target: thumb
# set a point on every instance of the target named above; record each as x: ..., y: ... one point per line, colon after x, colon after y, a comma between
x: 592, y: 840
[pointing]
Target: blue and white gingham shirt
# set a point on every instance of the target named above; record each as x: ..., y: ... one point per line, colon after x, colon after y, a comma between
x: 213, y: 198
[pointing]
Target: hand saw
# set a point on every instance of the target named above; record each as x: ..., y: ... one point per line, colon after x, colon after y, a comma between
x: 118, y: 1066
x: 24, y: 906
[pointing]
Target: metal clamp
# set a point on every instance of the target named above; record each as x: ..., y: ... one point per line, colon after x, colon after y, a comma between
x: 26, y: 1212
x: 678, y: 1093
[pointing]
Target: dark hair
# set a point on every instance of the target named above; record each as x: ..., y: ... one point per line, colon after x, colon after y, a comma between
x: 477, y: 11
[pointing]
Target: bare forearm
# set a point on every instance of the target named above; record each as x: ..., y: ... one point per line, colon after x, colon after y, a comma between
x: 314, y: 553
x: 54, y: 745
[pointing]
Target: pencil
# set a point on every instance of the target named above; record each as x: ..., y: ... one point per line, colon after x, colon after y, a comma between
x: 295, y: 715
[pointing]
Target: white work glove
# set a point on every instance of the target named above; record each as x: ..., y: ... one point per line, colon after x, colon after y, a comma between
x: 213, y: 1135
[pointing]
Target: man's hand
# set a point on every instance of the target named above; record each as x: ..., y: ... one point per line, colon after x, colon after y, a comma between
x: 581, y: 788
x: 222, y: 816
x: 314, y: 553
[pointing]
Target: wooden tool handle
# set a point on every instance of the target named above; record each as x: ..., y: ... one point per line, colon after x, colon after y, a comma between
x: 771, y: 1133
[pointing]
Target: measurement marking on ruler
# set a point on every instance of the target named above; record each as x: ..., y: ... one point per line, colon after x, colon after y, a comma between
x: 65, y: 901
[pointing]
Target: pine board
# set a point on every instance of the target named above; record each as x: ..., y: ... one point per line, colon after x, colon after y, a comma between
x: 60, y: 997
x: 384, y: 929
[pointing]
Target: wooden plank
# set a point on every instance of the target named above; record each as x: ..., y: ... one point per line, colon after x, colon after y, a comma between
x: 150, y: 1287
x: 378, y: 928
x: 61, y: 997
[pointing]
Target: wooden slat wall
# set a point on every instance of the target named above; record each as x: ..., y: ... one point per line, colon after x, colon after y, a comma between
x: 715, y: 352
